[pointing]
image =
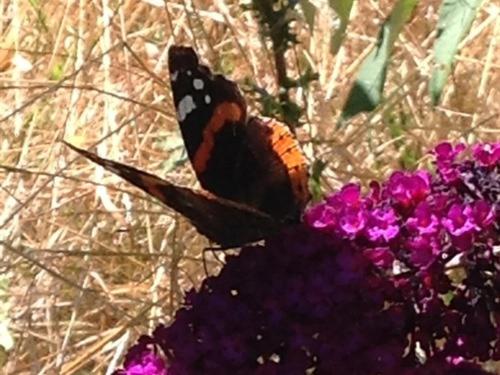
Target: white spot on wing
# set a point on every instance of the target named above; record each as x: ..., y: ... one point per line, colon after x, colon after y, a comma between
x: 208, y: 99
x: 188, y: 73
x: 198, y: 84
x: 185, y: 107
x: 173, y: 76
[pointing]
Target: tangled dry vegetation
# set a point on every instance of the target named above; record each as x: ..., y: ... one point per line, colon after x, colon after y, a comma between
x: 88, y: 262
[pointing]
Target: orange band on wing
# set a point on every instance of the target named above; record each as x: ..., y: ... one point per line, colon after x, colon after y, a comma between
x: 224, y: 112
x: 287, y: 148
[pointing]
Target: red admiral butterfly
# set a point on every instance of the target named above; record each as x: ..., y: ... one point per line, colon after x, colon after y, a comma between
x: 252, y: 169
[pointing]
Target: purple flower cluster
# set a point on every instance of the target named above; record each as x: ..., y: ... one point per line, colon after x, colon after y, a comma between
x: 144, y: 359
x: 404, y: 279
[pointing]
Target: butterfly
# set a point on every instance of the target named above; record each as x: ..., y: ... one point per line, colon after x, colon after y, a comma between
x: 252, y: 171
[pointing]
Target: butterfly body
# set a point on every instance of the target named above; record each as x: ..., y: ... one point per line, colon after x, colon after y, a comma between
x: 252, y: 170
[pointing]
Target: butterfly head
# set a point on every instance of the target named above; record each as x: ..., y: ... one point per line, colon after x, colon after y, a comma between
x: 181, y: 60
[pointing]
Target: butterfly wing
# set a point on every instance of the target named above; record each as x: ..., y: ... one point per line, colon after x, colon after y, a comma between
x: 252, y: 161
x: 283, y: 182
x: 224, y: 222
x: 212, y: 117
x: 253, y: 167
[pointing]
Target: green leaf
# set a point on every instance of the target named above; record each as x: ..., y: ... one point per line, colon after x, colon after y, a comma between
x: 42, y: 19
x: 343, y: 10
x: 409, y: 158
x: 315, y: 180
x: 455, y: 20
x: 366, y: 92
x: 57, y: 72
x: 309, y: 10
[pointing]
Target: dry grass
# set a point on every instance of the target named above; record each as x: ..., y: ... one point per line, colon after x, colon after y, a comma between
x: 91, y: 262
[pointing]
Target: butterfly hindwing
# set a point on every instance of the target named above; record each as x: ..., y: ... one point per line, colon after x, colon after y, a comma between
x: 284, y: 177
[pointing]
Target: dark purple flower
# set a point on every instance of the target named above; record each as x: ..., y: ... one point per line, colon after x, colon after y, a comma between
x: 343, y: 213
x: 402, y: 280
x: 375, y: 193
x: 352, y: 221
x: 382, y: 257
x: 321, y: 216
x: 459, y: 220
x: 483, y: 214
x: 144, y: 359
x: 408, y: 189
x: 348, y: 196
x: 487, y: 154
x: 424, y: 220
x: 448, y: 172
x: 446, y: 153
x: 382, y: 225
x: 423, y: 249
x: 149, y: 364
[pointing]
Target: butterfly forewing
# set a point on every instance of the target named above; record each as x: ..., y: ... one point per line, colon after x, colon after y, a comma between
x: 212, y: 115
x: 224, y: 222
